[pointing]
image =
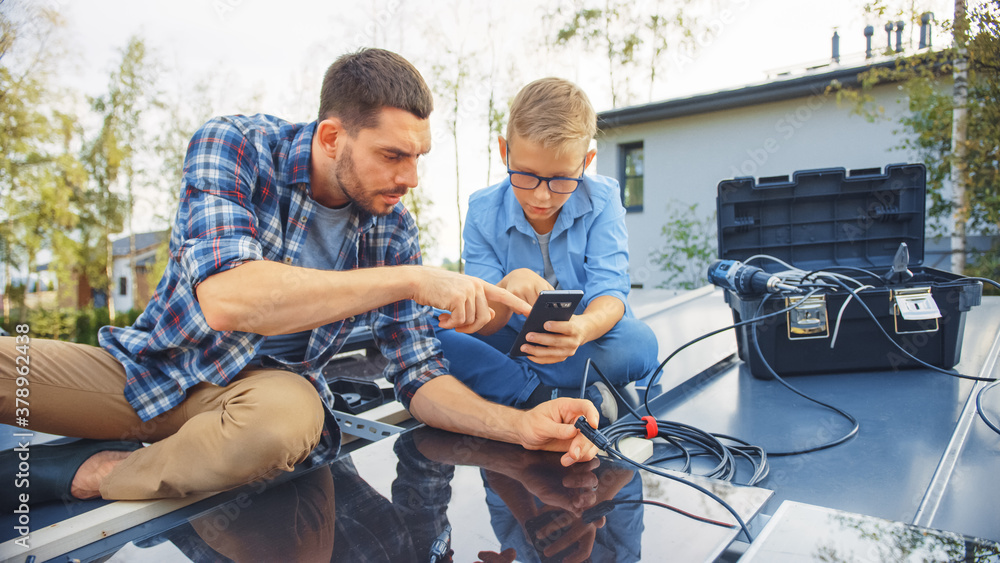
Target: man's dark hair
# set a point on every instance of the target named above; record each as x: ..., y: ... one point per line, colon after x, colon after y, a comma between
x: 358, y: 85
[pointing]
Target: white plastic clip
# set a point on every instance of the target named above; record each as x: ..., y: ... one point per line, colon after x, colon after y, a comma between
x: 916, y: 304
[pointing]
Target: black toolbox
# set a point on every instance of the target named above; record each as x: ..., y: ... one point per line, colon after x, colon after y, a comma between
x: 829, y: 219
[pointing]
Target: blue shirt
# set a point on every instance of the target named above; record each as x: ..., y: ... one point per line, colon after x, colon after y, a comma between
x: 588, y: 246
x: 246, y: 197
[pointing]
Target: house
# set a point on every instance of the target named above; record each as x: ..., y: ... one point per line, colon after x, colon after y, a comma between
x: 131, y: 285
x: 671, y: 155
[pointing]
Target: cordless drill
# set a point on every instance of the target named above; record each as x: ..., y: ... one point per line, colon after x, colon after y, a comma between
x: 745, y: 280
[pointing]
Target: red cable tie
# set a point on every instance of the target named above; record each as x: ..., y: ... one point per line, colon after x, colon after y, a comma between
x: 652, y: 428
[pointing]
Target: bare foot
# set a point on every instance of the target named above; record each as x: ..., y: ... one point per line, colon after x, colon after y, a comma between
x: 87, y: 481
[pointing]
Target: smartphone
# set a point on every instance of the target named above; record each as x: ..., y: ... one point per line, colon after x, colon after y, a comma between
x: 553, y: 305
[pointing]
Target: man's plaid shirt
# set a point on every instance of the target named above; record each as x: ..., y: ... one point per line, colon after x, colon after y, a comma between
x: 246, y: 197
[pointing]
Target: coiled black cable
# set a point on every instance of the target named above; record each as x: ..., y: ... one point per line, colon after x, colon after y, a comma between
x: 601, y: 441
x: 688, y: 442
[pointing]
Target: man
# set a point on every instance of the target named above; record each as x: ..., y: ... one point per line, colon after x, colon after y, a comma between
x: 286, y: 237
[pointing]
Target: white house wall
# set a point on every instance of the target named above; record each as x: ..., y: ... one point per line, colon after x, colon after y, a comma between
x: 120, y: 270
x: 685, y: 158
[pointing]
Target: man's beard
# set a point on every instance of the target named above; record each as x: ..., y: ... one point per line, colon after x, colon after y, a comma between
x: 346, y: 176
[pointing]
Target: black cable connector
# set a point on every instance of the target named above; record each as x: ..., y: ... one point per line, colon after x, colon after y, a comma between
x: 592, y: 434
x: 599, y: 510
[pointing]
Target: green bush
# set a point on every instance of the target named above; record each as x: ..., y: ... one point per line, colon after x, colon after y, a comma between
x: 90, y: 321
x: 986, y: 265
x: 86, y: 328
x: 69, y: 324
x: 688, y: 249
x: 56, y: 324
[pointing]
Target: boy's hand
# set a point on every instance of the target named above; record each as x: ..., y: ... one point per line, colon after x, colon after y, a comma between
x: 525, y: 284
x: 565, y: 338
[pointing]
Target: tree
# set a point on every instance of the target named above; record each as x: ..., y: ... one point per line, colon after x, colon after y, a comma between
x: 111, y: 157
x: 676, y: 30
x: 630, y: 35
x: 959, y: 131
x: 496, y: 112
x: 418, y: 203
x: 32, y: 175
x: 184, y: 112
x: 615, y: 27
x: 450, y: 78
x: 73, y: 176
x: 934, y: 135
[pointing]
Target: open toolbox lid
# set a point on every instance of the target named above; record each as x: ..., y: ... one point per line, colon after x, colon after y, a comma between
x: 824, y: 217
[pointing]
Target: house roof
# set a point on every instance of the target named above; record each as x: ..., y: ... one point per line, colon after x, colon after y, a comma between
x: 143, y: 241
x: 814, y: 82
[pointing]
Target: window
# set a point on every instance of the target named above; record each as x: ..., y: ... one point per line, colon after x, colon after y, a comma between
x: 632, y: 169
x: 123, y: 286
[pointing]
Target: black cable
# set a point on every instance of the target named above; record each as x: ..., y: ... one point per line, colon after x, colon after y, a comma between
x: 761, y: 470
x: 982, y: 280
x: 845, y: 268
x: 979, y: 407
x: 979, y: 396
x: 603, y: 508
x: 602, y: 442
x: 855, y: 426
x: 682, y: 436
x: 708, y: 445
x: 659, y: 369
x: 753, y: 321
x: 678, y: 435
x: 899, y: 347
x: 689, y: 441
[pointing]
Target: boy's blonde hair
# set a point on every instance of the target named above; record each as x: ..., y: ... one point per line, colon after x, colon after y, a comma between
x: 554, y: 112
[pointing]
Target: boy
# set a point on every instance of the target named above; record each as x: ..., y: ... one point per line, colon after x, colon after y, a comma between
x: 550, y: 226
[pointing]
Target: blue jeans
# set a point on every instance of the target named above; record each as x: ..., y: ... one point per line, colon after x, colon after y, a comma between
x: 628, y: 352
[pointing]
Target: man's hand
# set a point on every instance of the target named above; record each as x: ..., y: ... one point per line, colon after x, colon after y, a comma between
x: 563, y: 536
x: 465, y: 297
x: 525, y: 284
x: 571, y: 488
x: 549, y: 426
x: 445, y: 403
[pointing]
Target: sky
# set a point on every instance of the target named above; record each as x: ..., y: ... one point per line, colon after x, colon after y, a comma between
x: 265, y: 56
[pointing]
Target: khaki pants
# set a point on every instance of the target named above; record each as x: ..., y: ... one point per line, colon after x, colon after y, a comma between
x: 265, y: 421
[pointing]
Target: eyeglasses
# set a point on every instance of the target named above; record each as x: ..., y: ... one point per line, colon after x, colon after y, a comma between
x: 556, y: 184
